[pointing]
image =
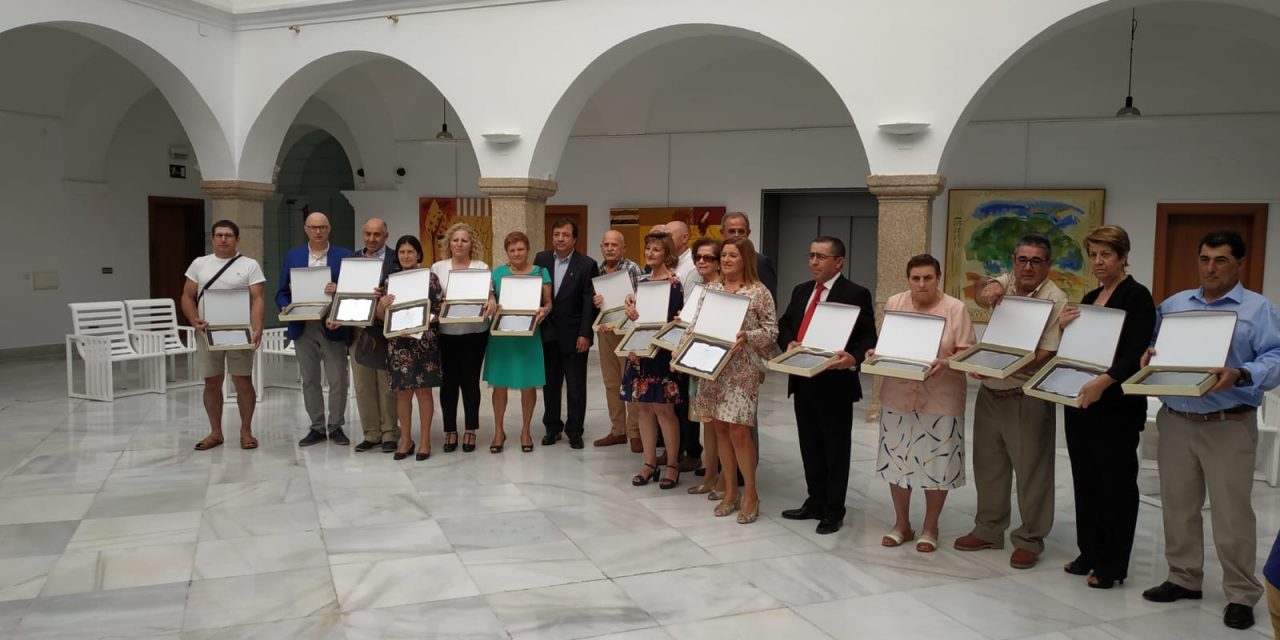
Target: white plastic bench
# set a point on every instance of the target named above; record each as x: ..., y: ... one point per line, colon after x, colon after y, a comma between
x: 159, y: 315
x: 101, y: 337
x: 1269, y: 423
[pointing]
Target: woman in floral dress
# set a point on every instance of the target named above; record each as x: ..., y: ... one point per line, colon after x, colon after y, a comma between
x: 649, y: 382
x: 414, y: 360
x: 728, y: 403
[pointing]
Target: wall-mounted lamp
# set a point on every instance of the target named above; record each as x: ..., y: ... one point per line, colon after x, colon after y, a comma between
x: 904, y: 128
x: 295, y: 28
x: 395, y: 19
x: 501, y: 138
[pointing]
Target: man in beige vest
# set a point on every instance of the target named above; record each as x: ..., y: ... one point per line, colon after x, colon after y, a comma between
x: 1012, y: 433
x: 375, y: 401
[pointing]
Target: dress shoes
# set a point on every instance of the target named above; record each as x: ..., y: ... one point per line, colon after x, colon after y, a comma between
x: 609, y: 441
x: 803, y: 513
x: 1169, y: 592
x: 550, y: 439
x: 366, y: 445
x: 971, y: 542
x: 575, y: 442
x: 828, y: 526
x: 1023, y: 559
x: 688, y: 464
x: 637, y: 446
x: 338, y: 437
x: 1238, y: 616
x: 312, y: 437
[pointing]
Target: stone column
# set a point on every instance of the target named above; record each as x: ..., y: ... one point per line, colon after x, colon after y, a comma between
x: 518, y: 204
x: 240, y: 201
x: 903, y: 229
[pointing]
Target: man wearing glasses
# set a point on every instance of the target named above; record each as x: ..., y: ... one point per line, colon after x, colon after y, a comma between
x: 735, y: 225
x: 1014, y: 434
x: 315, y: 344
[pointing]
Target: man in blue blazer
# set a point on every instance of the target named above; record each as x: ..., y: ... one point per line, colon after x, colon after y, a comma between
x: 566, y: 333
x: 315, y: 344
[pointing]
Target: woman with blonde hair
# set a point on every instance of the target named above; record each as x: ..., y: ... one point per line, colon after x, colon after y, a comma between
x: 462, y: 344
x: 728, y: 403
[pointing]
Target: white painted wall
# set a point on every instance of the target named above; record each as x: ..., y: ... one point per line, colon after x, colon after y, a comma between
x: 76, y: 228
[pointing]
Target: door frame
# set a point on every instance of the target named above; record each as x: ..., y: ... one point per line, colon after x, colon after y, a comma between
x: 189, y: 203
x: 1257, y: 251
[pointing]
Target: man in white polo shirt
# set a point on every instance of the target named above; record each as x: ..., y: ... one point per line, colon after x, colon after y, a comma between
x: 225, y: 268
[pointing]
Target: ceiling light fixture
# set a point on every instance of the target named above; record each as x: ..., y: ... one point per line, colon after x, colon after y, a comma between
x: 444, y: 121
x: 1128, y: 109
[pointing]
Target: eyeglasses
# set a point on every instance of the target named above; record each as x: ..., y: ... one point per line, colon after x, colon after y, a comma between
x: 1035, y: 262
x: 702, y: 257
x: 820, y: 256
x: 317, y: 227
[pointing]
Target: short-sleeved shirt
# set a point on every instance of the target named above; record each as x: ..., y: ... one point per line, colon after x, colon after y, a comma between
x: 243, y: 272
x: 442, y: 269
x: 942, y: 394
x: 1048, y: 340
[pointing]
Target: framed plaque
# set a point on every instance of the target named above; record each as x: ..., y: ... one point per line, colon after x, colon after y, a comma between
x: 306, y: 290
x: 706, y: 349
x: 673, y: 332
x: 1088, y: 347
x: 828, y: 332
x: 1010, y: 340
x: 1188, y: 346
x: 353, y: 303
x: 518, y: 303
x: 465, y: 295
x: 907, y: 345
x: 227, y: 312
x: 614, y: 288
x: 411, y: 311
x: 653, y: 299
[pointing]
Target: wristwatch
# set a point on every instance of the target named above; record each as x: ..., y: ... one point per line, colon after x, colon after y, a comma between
x: 1245, y: 378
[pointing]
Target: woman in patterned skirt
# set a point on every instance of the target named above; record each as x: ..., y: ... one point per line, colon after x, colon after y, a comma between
x: 729, y: 402
x: 413, y: 361
x: 922, y: 423
x: 649, y: 382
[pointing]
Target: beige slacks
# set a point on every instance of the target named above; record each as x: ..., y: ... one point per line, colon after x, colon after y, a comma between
x: 624, y: 417
x: 1013, y: 435
x: 375, y: 401
x: 1216, y: 457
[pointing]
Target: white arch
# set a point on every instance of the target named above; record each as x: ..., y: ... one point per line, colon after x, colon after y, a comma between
x: 188, y: 71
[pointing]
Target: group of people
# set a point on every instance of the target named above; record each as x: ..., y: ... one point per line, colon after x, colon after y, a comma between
x: 1207, y: 444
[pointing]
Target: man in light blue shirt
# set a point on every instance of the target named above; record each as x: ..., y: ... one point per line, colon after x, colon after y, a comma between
x: 1210, y: 442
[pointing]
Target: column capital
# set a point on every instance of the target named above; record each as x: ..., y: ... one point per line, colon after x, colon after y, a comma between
x: 906, y: 186
x: 524, y: 188
x: 238, y: 190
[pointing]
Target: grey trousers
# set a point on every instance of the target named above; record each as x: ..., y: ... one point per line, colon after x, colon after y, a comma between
x: 315, y: 350
x: 1217, y: 457
x: 1013, y: 435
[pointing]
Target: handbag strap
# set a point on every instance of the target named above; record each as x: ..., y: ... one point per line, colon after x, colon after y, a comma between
x: 216, y: 276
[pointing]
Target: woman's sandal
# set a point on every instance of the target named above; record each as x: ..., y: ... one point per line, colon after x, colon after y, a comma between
x: 450, y: 442
x: 703, y: 487
x: 670, y: 483
x: 1096, y: 581
x: 927, y: 543
x: 248, y: 442
x: 526, y: 447
x: 469, y: 441
x: 723, y: 509
x: 895, y: 538
x: 1077, y: 568
x: 208, y: 443
x: 497, y: 448
x: 643, y: 478
x: 747, y: 517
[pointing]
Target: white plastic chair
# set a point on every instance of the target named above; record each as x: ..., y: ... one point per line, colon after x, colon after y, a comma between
x: 159, y: 315
x: 101, y: 337
x: 1269, y: 423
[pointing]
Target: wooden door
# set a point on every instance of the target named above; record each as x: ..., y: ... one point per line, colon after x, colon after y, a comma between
x: 574, y: 212
x: 175, y: 238
x: 1179, y: 229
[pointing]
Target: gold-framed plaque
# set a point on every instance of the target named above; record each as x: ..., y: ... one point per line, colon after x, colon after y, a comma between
x: 907, y: 345
x: 306, y: 292
x: 357, y: 296
x: 614, y: 288
x: 227, y: 311
x: 828, y: 332
x: 519, y: 298
x: 1087, y: 350
x: 706, y: 349
x: 653, y: 300
x: 465, y: 295
x: 411, y: 311
x: 1010, y: 340
x: 1188, y: 345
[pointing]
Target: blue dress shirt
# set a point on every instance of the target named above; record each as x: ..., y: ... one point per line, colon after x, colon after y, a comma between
x: 1255, y: 346
x: 562, y: 267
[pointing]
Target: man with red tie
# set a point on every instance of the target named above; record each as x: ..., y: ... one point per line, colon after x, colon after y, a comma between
x: 824, y: 403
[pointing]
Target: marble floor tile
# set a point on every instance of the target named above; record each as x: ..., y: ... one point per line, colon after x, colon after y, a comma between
x: 390, y: 583
x: 580, y: 610
x: 322, y: 626
x: 1122, y: 601
x: 1181, y: 624
x: 135, y: 531
x: 50, y: 508
x: 103, y: 614
x: 66, y: 463
x: 529, y: 566
x: 583, y: 522
x: 37, y: 539
x: 349, y: 545
x: 45, y: 484
x: 695, y: 594
x: 379, y: 480
x: 489, y: 531
x: 728, y: 541
x: 259, y: 554
x: 238, y: 522
x: 257, y: 493
x: 886, y: 615
x: 452, y: 506
x: 11, y: 612
x: 107, y: 569
x: 371, y: 508
x: 462, y: 619
x: 774, y: 623
x: 158, y: 497
x: 1003, y: 608
x: 809, y: 578
x: 23, y: 578
x: 645, y: 551
x: 264, y: 597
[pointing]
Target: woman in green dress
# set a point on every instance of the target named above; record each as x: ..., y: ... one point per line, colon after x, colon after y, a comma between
x: 515, y: 362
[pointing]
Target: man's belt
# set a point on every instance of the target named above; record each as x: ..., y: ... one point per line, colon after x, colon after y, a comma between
x: 1237, y: 413
x: 1005, y: 393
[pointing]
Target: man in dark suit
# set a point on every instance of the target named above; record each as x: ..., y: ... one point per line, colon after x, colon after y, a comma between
x: 315, y: 344
x: 824, y: 403
x: 566, y: 333
x: 735, y: 225
x: 375, y: 401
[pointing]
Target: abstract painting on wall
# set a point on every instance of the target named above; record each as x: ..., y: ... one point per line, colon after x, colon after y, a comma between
x: 983, y: 227
x: 634, y: 223
x: 436, y: 215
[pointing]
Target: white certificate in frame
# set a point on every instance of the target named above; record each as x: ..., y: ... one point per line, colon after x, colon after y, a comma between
x: 828, y: 332
x: 356, y: 297
x: 519, y: 298
x: 907, y: 345
x: 306, y: 292
x: 465, y: 295
x: 720, y: 318
x: 411, y: 311
x: 1010, y: 340
x: 1087, y: 349
x: 1189, y: 344
x: 614, y: 288
x: 227, y: 312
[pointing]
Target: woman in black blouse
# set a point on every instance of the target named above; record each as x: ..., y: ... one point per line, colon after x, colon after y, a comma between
x: 1102, y: 435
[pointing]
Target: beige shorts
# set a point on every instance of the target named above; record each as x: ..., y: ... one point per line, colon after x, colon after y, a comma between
x: 216, y: 363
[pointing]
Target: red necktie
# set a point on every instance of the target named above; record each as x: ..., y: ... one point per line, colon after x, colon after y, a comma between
x: 808, y: 313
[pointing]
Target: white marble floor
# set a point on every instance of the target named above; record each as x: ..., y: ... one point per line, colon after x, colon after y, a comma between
x: 111, y: 526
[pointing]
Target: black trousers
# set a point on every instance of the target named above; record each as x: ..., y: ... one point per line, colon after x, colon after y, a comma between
x: 1104, y: 469
x: 690, y: 444
x: 461, y: 358
x: 566, y: 370
x: 824, y: 423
